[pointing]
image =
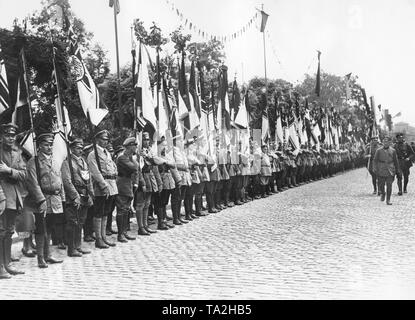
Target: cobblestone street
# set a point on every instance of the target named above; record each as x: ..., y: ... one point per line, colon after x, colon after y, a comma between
x: 329, y: 239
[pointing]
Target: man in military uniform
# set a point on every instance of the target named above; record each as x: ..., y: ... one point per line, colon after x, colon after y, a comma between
x: 88, y: 225
x: 385, y: 166
x: 265, y: 172
x: 168, y: 184
x: 153, y: 183
x: 193, y: 163
x: 127, y: 181
x: 46, y: 194
x: 369, y: 154
x: 78, y: 193
x: 104, y: 174
x: 405, y: 155
x: 12, y: 177
x: 214, y: 177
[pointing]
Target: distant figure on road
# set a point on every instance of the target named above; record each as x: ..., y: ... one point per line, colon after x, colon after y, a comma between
x: 405, y: 155
x: 385, y: 166
x: 370, y: 153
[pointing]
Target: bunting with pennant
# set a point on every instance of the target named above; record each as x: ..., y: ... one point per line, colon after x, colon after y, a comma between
x: 191, y: 26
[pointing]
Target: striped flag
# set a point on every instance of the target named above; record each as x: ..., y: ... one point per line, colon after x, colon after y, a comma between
x: 21, y: 114
x: 144, y: 98
x: 4, y: 87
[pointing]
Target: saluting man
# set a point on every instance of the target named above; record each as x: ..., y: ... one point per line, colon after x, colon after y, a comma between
x: 78, y: 194
x: 12, y: 177
x: 104, y: 175
x: 45, y: 196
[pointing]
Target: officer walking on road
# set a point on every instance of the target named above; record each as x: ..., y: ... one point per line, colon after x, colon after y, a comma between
x: 405, y: 156
x: 385, y: 166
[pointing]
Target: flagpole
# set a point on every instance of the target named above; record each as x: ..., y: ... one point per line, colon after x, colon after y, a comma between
x: 118, y: 66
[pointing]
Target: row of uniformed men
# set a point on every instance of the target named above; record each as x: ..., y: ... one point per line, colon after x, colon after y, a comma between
x: 67, y: 199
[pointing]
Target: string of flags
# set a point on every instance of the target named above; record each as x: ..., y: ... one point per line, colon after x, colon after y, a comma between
x: 206, y: 35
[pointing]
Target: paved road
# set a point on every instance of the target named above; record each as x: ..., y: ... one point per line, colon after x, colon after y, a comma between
x: 329, y: 239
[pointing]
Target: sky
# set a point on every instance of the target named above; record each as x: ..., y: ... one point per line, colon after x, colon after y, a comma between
x: 373, y: 39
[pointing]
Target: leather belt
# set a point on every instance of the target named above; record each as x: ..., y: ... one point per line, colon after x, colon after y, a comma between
x: 110, y: 177
x: 51, y: 193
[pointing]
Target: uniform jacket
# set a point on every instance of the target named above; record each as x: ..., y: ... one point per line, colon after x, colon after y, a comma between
x: 129, y: 175
x: 151, y: 172
x: 385, y: 162
x: 50, y: 188
x: 245, y: 160
x: 109, y: 172
x: 166, y: 174
x: 195, y: 172
x: 12, y: 184
x: 81, y: 185
x: 403, y: 152
x: 183, y: 167
x: 214, y: 175
x: 265, y: 165
x: 222, y: 159
x: 203, y: 159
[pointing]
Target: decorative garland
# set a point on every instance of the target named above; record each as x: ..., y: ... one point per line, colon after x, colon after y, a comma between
x: 192, y: 26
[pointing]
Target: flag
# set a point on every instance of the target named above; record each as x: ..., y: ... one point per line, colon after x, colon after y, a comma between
x: 4, y: 87
x: 348, y: 94
x: 144, y: 98
x: 194, y: 89
x: 318, y: 76
x: 279, y: 133
x: 172, y: 111
x: 265, y: 122
x: 115, y: 3
x: 236, y: 103
x: 365, y: 102
x: 21, y: 114
x: 163, y: 121
x: 224, y: 99
x: 264, y: 20
x: 242, y: 118
x: 292, y: 134
x: 88, y: 92
x: 184, y: 100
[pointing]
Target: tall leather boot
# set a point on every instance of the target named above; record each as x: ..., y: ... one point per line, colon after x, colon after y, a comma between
x: 160, y: 225
x: 126, y: 223
x: 210, y: 203
x: 388, y: 193
x: 120, y: 226
x: 289, y: 182
x: 27, y: 250
x: 3, y: 273
x: 7, y: 250
x: 78, y: 240
x: 294, y: 181
x: 59, y: 229
x: 99, y: 243
x: 40, y: 245
x: 103, y: 233
x: 198, y: 205
x: 165, y: 220
x: 405, y: 184
x: 187, y: 209
x: 141, y: 231
x: 400, y: 186
x: 70, y: 238
x: 47, y: 253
